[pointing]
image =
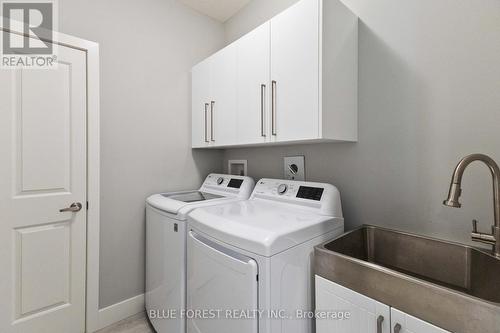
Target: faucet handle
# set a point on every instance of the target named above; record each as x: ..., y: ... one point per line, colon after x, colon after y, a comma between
x: 474, y: 226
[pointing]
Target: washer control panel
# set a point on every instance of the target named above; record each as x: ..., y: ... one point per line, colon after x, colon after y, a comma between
x: 232, y: 185
x: 224, y: 181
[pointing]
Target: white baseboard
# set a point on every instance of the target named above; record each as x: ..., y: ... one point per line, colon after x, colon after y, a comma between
x: 119, y: 311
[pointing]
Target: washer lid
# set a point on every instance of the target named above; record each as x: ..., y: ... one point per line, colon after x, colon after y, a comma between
x: 173, y: 202
x: 261, y: 226
x: 193, y: 196
x: 215, y: 189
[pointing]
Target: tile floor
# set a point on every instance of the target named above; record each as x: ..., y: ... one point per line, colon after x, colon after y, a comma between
x: 135, y: 324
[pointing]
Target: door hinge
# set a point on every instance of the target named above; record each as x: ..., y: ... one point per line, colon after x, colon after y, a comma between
x: 87, y: 205
x: 257, y: 277
x: 176, y: 227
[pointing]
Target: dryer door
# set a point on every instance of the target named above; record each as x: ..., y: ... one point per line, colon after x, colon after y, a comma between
x: 223, y: 284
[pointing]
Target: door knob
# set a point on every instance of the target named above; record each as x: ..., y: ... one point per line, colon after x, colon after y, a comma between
x: 74, y: 208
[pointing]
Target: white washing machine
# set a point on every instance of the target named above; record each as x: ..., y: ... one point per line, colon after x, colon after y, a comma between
x: 166, y: 244
x: 250, y: 262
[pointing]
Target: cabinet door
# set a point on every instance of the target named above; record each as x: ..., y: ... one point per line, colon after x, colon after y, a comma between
x: 253, y: 52
x: 365, y: 314
x: 404, y: 323
x: 223, y: 97
x: 295, y: 71
x: 200, y: 104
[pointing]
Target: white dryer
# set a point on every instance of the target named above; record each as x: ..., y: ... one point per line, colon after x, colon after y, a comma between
x: 166, y: 244
x: 250, y: 262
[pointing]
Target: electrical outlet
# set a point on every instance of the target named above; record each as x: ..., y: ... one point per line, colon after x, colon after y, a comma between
x: 294, y: 168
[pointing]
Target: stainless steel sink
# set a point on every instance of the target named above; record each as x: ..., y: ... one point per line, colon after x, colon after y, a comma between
x: 450, y: 285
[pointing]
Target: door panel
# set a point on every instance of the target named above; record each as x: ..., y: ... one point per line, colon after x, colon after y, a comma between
x: 410, y: 324
x: 43, y: 129
x: 253, y: 85
x: 364, y: 312
x: 42, y: 268
x: 200, y: 99
x: 43, y: 169
x: 223, y: 97
x: 295, y: 70
x: 212, y: 272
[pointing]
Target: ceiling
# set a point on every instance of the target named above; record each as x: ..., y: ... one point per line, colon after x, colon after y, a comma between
x: 221, y: 10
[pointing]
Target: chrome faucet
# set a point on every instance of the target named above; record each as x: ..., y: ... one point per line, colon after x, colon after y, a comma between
x: 456, y: 191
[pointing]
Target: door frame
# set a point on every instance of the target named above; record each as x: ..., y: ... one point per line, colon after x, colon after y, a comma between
x: 91, y: 49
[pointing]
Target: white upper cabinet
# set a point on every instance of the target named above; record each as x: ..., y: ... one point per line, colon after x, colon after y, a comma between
x: 291, y: 80
x: 253, y: 51
x: 214, y: 100
x: 295, y: 72
x: 200, y: 104
x: 223, y: 96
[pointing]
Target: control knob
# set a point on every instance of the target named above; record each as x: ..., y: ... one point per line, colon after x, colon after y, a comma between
x: 282, y: 188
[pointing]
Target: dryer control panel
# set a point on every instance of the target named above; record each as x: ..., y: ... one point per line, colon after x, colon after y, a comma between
x: 311, y: 193
x: 321, y: 197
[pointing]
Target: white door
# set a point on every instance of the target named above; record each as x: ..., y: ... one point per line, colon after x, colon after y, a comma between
x: 220, y: 279
x: 253, y: 85
x: 43, y: 170
x: 366, y: 314
x: 295, y: 71
x: 404, y: 323
x: 223, y: 101
x: 200, y: 104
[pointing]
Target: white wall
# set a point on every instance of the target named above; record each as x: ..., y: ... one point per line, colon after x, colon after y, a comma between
x: 429, y: 76
x: 147, y: 50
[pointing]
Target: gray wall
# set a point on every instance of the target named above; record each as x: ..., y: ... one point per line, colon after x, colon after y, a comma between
x: 429, y: 93
x: 147, y: 50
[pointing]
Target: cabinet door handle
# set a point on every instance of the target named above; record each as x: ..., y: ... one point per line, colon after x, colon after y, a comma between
x: 380, y: 320
x: 397, y: 328
x: 212, y: 138
x: 273, y: 107
x: 206, y: 122
x: 262, y: 109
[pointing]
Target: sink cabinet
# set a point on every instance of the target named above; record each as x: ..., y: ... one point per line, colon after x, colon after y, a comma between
x: 366, y: 315
x: 365, y: 312
x: 410, y: 324
x: 291, y: 80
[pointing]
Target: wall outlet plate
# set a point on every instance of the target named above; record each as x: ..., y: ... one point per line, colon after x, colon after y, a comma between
x: 237, y: 167
x: 294, y: 168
